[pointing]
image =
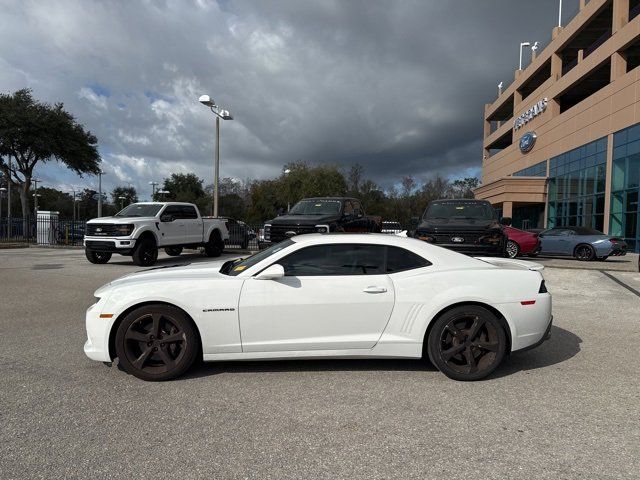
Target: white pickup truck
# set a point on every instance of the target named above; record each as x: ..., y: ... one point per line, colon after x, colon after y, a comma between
x: 141, y: 228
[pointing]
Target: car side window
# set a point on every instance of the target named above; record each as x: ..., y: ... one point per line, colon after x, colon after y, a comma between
x: 357, y: 208
x: 173, y: 210
x: 188, y: 212
x: 399, y: 259
x: 337, y: 259
x: 348, y: 208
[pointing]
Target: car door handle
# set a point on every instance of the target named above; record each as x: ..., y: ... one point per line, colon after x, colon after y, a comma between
x: 375, y: 290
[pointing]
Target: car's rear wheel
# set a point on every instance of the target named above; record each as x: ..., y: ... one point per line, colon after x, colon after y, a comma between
x: 215, y: 245
x: 156, y: 342
x: 146, y: 252
x: 513, y: 249
x: 173, y: 251
x: 97, y: 257
x: 467, y: 343
x: 584, y: 253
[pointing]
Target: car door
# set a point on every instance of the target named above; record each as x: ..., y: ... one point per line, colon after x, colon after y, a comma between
x: 172, y: 226
x: 193, y: 224
x: 566, y: 242
x: 550, y: 241
x: 332, y: 297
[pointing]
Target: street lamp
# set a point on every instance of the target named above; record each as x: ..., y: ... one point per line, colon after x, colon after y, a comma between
x: 100, y: 173
x: 560, y: 14
x: 286, y: 172
x: 122, y: 199
x: 162, y: 193
x: 35, y: 196
x: 2, y: 192
x: 523, y: 44
x: 153, y: 189
x: 207, y: 101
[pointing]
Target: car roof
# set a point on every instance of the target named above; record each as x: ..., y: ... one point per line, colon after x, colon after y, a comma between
x: 458, y: 201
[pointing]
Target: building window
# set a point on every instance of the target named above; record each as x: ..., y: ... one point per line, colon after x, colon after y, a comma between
x: 625, y: 186
x: 577, y: 180
x: 537, y: 170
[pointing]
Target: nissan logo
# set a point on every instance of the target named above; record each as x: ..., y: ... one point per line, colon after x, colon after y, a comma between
x: 457, y: 239
x: 290, y: 233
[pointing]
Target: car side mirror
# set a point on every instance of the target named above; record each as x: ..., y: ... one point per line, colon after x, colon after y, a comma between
x: 166, y: 218
x: 273, y: 272
x: 506, y: 221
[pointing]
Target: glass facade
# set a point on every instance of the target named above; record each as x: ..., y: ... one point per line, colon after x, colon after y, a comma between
x: 577, y: 181
x: 537, y: 170
x: 625, y: 186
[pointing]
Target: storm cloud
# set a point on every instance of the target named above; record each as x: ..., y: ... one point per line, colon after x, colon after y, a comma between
x: 397, y: 86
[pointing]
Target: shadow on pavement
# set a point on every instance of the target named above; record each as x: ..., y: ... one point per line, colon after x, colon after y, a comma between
x: 560, y: 347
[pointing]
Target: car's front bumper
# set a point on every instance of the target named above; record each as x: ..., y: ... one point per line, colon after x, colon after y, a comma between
x: 97, y: 345
x: 110, y: 244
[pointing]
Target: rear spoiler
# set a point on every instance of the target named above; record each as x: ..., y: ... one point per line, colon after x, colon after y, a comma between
x: 510, y: 262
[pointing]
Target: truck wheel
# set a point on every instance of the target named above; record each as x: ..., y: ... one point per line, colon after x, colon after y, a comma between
x: 215, y: 245
x: 97, y: 257
x: 146, y: 253
x: 173, y: 251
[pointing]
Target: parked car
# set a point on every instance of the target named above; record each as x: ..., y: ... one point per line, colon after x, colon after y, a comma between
x: 391, y: 227
x: 583, y: 243
x: 321, y: 215
x: 70, y: 232
x: 314, y: 296
x: 141, y: 228
x: 466, y: 226
x: 239, y: 232
x: 520, y: 242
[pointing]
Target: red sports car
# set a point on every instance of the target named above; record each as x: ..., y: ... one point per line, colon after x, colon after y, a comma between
x: 521, y: 243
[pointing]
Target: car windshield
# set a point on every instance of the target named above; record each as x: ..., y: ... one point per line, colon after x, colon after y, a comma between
x: 140, y: 210
x: 476, y: 211
x: 316, y: 207
x: 234, y: 267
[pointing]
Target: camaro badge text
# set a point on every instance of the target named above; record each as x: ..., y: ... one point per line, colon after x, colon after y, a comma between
x: 219, y: 310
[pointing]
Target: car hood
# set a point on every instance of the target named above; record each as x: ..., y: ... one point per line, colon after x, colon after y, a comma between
x: 458, y: 224
x: 119, y: 220
x: 303, y: 219
x: 207, y: 270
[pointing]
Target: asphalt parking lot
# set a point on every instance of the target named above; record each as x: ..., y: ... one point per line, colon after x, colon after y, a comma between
x: 569, y: 409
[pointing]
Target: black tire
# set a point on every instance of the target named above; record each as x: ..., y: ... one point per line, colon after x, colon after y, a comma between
x: 97, y: 257
x: 512, y: 249
x: 584, y: 253
x: 215, y: 245
x: 145, y: 253
x: 467, y: 343
x: 156, y: 342
x: 173, y: 251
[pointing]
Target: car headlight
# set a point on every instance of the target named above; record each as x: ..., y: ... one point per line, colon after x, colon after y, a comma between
x: 322, y: 228
x: 123, y: 230
x: 267, y: 232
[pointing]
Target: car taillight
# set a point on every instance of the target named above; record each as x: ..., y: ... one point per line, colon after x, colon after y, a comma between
x: 543, y: 288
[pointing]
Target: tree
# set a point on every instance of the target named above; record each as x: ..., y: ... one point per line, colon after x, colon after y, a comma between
x: 33, y: 132
x: 463, y: 187
x: 129, y: 193
x: 185, y: 187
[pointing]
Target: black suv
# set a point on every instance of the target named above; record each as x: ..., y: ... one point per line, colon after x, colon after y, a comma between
x: 321, y: 215
x: 466, y: 226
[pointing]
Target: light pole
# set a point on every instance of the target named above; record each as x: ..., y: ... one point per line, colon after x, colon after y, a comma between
x: 286, y: 172
x: 220, y: 114
x: 2, y: 192
x: 35, y: 196
x: 122, y: 199
x: 9, y: 199
x: 100, y: 173
x: 153, y: 190
x: 560, y: 14
x: 523, y: 44
x: 162, y: 193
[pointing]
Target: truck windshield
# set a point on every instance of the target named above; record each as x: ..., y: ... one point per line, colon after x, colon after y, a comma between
x: 476, y: 211
x: 234, y: 267
x: 140, y: 210
x: 316, y: 207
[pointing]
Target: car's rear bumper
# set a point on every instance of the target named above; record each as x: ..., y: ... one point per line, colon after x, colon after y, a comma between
x: 544, y: 338
x: 530, y: 323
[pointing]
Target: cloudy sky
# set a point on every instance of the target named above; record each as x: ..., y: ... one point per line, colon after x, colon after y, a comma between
x: 397, y: 86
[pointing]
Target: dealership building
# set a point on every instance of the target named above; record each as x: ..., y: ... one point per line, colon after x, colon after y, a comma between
x: 562, y: 142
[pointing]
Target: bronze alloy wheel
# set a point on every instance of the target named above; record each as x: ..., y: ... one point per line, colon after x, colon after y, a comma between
x: 156, y: 342
x: 513, y: 249
x: 467, y: 343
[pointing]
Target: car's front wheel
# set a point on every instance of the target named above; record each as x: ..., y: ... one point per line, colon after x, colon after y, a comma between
x: 513, y: 249
x: 156, y: 342
x: 97, y: 257
x: 146, y: 253
x: 467, y: 343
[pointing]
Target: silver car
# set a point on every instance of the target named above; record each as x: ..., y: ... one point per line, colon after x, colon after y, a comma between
x: 583, y: 243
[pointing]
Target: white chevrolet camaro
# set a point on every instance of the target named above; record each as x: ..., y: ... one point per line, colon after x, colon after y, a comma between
x: 324, y: 296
